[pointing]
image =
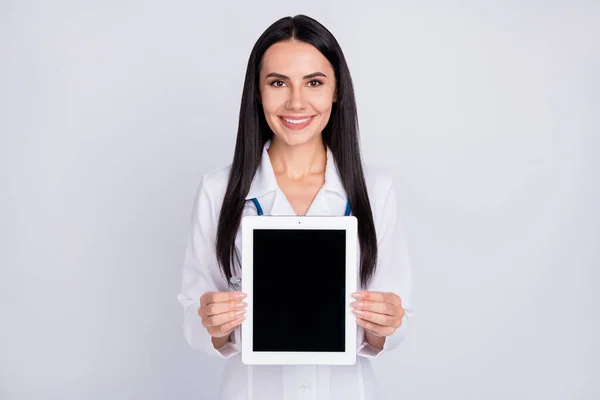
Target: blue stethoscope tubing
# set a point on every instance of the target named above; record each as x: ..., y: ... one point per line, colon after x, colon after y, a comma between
x: 259, y: 209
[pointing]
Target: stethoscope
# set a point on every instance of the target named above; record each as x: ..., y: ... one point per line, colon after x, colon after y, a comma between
x: 236, y: 281
x: 259, y: 209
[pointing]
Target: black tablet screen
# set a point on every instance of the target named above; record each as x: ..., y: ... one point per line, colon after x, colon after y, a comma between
x: 299, y: 290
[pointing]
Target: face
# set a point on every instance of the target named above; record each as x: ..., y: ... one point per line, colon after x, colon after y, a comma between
x: 297, y: 89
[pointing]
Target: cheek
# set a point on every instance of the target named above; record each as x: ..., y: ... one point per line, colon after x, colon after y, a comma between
x: 272, y: 101
x: 322, y: 102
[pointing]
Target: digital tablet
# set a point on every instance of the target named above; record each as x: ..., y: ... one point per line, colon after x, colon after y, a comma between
x: 299, y: 274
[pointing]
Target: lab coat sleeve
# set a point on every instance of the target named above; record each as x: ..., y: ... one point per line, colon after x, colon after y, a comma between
x: 201, y: 274
x: 393, y: 272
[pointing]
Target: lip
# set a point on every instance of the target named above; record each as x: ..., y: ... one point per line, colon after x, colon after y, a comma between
x: 296, y: 117
x: 296, y: 127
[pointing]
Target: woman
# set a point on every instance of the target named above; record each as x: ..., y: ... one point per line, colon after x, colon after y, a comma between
x: 297, y: 153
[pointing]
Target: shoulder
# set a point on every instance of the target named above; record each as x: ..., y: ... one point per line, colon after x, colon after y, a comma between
x: 214, y: 183
x: 382, y: 195
x: 379, y: 181
x: 211, y: 190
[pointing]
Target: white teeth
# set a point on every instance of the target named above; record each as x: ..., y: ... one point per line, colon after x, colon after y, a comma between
x: 297, y: 121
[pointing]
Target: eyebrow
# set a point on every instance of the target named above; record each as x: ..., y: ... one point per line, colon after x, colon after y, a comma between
x: 281, y: 76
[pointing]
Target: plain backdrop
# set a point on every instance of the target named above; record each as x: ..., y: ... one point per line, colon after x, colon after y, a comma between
x: 486, y: 113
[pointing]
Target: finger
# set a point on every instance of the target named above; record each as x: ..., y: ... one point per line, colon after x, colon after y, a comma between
x: 224, y: 318
x: 225, y: 329
x: 220, y: 308
x: 381, y: 308
x: 381, y: 297
x: 379, y: 319
x: 375, y: 328
x: 220, y: 297
x: 396, y: 300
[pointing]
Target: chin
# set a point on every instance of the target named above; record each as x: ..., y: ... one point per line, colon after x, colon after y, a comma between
x: 297, y: 138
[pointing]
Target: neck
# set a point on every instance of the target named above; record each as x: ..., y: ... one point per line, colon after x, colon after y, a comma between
x: 296, y: 162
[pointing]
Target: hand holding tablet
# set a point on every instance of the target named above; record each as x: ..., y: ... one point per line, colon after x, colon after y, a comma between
x: 379, y: 313
x: 221, y: 313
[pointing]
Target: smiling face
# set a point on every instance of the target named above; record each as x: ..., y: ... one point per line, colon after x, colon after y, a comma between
x: 297, y: 89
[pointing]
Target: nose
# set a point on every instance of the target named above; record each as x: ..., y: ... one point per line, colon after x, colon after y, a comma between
x: 296, y: 100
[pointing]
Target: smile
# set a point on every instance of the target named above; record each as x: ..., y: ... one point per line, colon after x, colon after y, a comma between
x: 297, y: 123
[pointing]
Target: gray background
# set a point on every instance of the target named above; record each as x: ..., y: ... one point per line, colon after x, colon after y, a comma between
x: 485, y: 112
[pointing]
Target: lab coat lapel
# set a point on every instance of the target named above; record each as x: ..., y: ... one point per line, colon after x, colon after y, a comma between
x: 281, y: 206
x: 320, y: 206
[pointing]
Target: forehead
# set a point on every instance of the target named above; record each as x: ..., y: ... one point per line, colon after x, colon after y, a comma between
x: 294, y: 58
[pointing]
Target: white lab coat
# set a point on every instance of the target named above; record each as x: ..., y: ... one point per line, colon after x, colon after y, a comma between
x: 201, y: 274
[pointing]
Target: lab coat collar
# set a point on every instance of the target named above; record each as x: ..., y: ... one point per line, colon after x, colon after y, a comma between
x: 333, y: 183
x: 264, y: 179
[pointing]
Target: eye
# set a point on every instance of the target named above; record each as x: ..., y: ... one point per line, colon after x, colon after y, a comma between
x: 315, y: 83
x: 277, y: 83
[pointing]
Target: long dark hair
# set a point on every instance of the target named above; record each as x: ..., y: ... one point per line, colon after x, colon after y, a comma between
x: 340, y: 135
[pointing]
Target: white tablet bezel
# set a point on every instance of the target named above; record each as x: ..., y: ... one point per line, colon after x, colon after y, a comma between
x: 347, y: 223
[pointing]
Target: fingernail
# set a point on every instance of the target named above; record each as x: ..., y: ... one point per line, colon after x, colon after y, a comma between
x: 358, y: 312
x: 240, y: 304
x: 240, y: 296
x: 357, y: 295
x: 240, y: 312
